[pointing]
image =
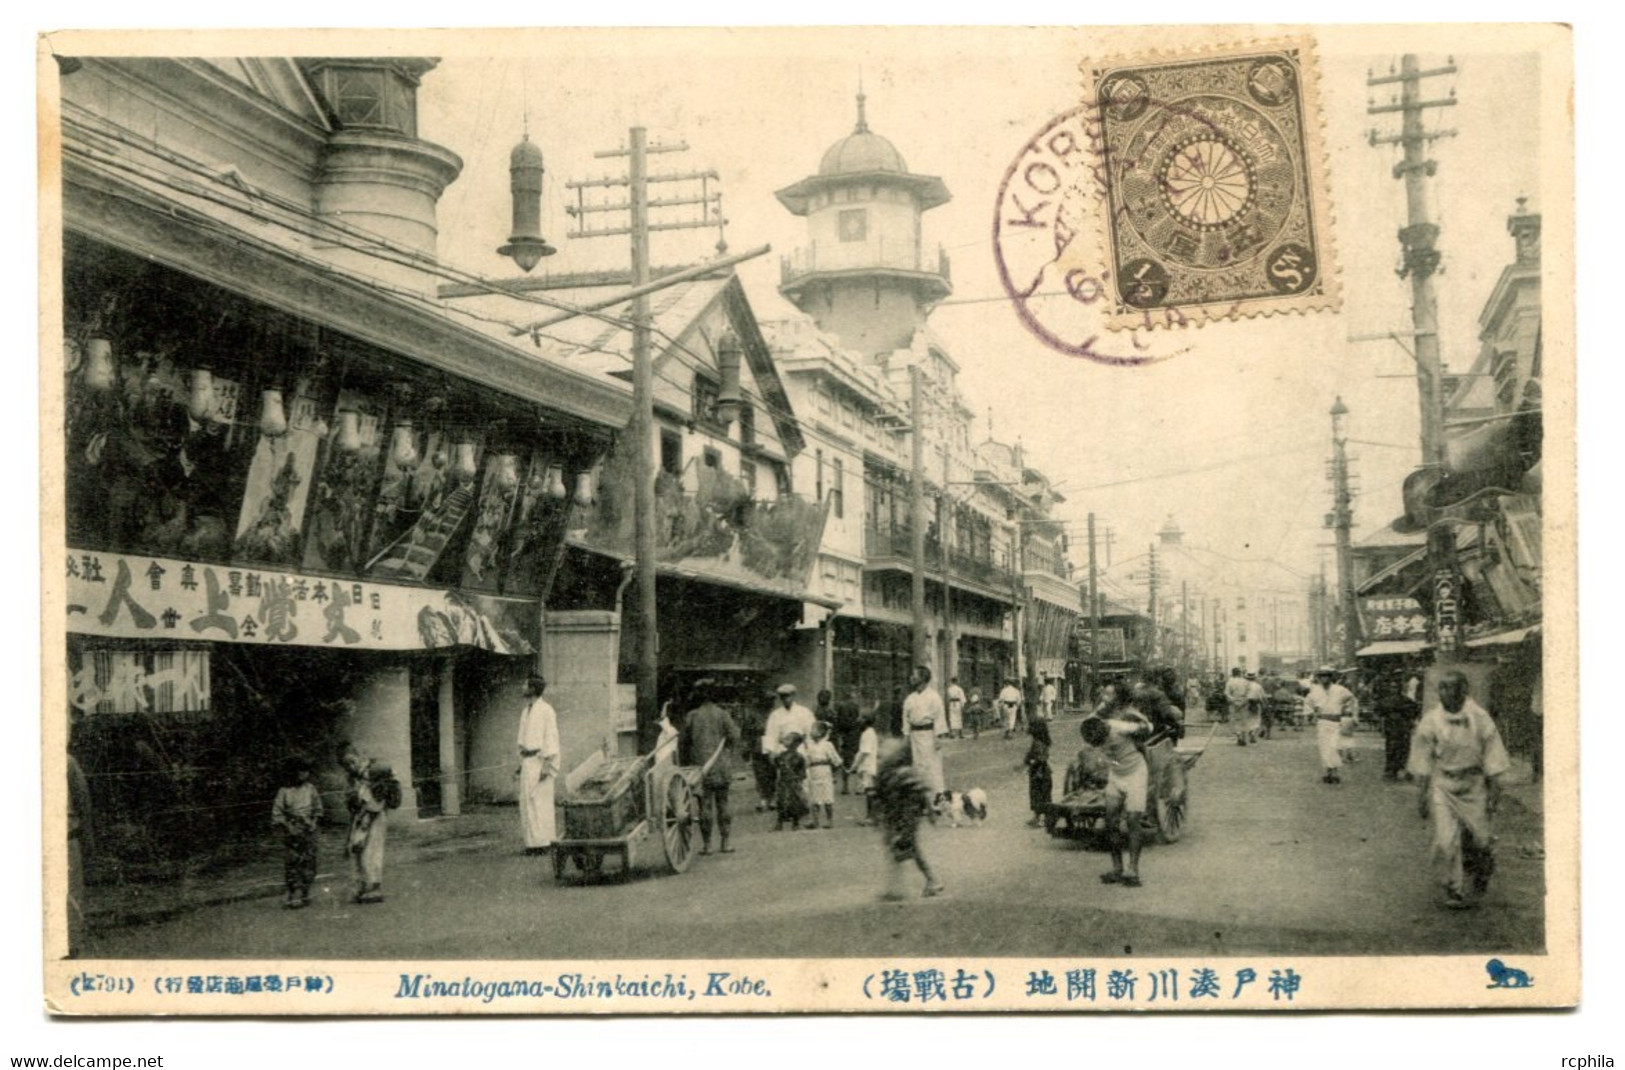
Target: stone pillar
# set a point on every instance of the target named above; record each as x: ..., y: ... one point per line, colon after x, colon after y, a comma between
x: 381, y: 726
x: 451, y: 787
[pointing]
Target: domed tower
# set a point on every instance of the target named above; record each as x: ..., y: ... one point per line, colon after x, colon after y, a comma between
x: 863, y: 276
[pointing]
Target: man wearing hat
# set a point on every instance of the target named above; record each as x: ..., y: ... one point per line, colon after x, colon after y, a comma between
x: 1334, y: 709
x: 787, y: 717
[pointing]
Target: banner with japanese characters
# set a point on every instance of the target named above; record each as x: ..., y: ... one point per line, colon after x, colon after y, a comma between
x: 133, y: 596
x: 1390, y: 617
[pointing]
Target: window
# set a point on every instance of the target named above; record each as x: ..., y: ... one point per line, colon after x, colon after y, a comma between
x: 838, y: 491
x: 1241, y: 631
x: 747, y: 425
x: 706, y: 393
x: 1241, y: 602
x: 747, y: 472
x: 818, y: 479
x: 854, y: 224
x: 671, y: 451
x: 713, y: 458
x: 781, y: 479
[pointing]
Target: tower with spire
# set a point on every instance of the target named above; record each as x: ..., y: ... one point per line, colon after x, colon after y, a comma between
x: 863, y: 276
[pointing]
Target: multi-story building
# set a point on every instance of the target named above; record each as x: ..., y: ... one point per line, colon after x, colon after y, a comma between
x: 867, y: 372
x: 304, y: 500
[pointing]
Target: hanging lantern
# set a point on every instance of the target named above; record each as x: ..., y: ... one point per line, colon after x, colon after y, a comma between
x: 200, y: 404
x: 729, y: 352
x: 403, y: 450
x: 349, y: 440
x: 526, y: 245
x: 555, y: 483
x: 506, y: 472
x: 467, y: 464
x: 273, y: 420
x: 584, y: 489
x: 100, y: 372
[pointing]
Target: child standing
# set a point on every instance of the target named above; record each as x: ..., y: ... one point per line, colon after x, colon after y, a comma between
x: 297, y: 811
x: 903, y: 798
x: 822, y: 758
x: 790, y: 792
x: 1040, y: 780
x: 865, y: 764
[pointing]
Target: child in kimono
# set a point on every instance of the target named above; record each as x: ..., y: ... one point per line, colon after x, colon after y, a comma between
x: 297, y: 812
x: 822, y: 760
x: 903, y: 797
x: 1040, y: 780
x: 865, y: 764
x: 790, y: 790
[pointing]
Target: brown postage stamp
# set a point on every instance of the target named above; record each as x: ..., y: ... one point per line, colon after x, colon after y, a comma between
x: 1215, y: 184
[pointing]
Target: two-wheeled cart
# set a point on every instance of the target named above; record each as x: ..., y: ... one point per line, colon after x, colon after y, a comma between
x: 640, y: 811
x: 1081, y: 812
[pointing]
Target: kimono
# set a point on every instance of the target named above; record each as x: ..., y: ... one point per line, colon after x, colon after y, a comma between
x: 538, y: 773
x: 790, y: 790
x: 297, y: 811
x: 1458, y: 753
x: 1040, y: 780
x: 903, y: 797
x: 822, y: 758
x: 368, y: 827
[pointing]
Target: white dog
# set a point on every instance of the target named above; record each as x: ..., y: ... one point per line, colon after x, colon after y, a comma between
x: 967, y: 806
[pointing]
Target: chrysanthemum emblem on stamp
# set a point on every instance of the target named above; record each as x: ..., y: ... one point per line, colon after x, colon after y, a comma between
x: 1215, y: 186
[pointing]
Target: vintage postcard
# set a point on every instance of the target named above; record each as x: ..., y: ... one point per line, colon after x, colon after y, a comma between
x: 929, y: 520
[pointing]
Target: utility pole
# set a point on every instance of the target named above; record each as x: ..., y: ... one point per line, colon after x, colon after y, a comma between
x: 916, y: 512
x: 1094, y: 615
x: 1417, y: 241
x: 1153, y: 648
x: 1342, y: 519
x: 645, y: 547
x: 949, y: 653
x: 1184, y: 627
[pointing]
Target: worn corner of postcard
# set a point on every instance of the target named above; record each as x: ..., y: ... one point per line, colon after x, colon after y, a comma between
x: 1215, y: 183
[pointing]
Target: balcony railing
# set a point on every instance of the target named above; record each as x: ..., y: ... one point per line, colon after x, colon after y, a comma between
x: 860, y: 256
x: 896, y: 543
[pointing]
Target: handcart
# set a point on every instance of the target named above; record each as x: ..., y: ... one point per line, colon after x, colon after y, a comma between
x: 1081, y: 812
x: 641, y: 811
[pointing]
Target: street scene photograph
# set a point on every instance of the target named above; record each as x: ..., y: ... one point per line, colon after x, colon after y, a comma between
x: 905, y: 499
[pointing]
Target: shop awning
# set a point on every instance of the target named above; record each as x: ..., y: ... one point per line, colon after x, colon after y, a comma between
x: 1389, y: 647
x: 1508, y: 638
x: 1393, y: 570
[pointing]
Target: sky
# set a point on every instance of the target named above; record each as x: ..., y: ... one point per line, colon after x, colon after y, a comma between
x: 1230, y: 436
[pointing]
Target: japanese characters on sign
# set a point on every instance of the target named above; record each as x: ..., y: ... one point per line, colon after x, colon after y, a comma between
x: 129, y: 596
x: 1390, y: 617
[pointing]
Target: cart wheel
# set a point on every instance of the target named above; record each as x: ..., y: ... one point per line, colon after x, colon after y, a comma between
x: 1170, y: 819
x: 677, y: 824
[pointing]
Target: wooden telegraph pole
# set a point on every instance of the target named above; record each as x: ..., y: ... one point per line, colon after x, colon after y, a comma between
x: 1418, y: 241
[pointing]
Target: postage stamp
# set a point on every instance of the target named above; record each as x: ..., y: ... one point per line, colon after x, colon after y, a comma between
x: 1217, y: 204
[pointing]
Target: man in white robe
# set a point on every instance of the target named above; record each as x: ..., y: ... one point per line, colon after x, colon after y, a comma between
x: 921, y: 711
x: 538, y: 767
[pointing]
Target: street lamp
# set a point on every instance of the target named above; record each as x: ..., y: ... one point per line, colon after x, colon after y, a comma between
x: 526, y: 245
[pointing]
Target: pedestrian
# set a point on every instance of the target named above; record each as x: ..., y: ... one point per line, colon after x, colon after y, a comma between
x: 1123, y: 740
x: 921, y: 711
x: 538, y: 767
x: 369, y: 824
x: 848, y: 727
x: 1345, y: 740
x: 956, y: 708
x: 822, y: 760
x: 889, y: 715
x: 1235, y: 703
x: 1255, y: 708
x: 787, y: 717
x: 1040, y: 778
x: 903, y: 797
x: 865, y: 764
x: 297, y: 813
x: 975, y: 712
x: 1167, y: 720
x: 1334, y: 708
x: 710, y: 735
x: 790, y: 791
x: 1010, y: 706
x: 825, y: 709
x: 763, y: 773
x: 1458, y: 758
x: 1399, y: 713
x: 1046, y: 699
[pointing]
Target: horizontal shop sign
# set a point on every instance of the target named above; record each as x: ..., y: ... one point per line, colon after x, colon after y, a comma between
x: 133, y: 596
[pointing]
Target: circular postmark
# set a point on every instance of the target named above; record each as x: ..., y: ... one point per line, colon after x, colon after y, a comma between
x: 1046, y: 240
